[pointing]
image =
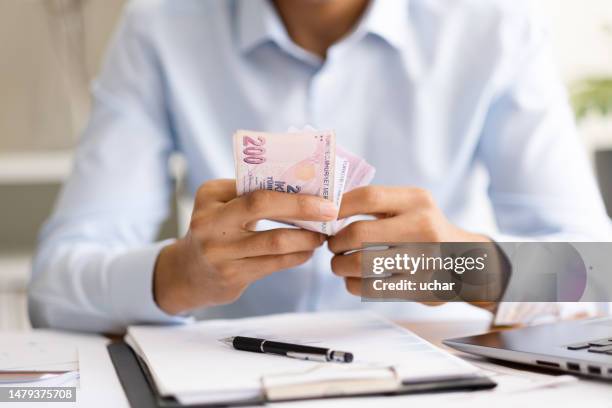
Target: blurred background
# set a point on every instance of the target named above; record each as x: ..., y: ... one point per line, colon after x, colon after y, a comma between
x: 51, y: 49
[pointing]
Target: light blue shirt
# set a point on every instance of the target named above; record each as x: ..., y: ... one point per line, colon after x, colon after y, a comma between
x: 455, y: 96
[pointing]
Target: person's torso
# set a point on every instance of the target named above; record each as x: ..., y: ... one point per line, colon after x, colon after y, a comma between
x: 413, y: 107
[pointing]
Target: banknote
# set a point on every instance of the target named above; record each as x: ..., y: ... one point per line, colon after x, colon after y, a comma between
x: 287, y: 162
x: 298, y: 162
x: 360, y: 172
x: 340, y: 178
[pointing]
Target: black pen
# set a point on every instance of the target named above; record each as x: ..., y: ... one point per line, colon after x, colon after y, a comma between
x: 287, y: 349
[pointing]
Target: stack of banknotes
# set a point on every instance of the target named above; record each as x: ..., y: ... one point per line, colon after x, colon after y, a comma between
x: 299, y: 162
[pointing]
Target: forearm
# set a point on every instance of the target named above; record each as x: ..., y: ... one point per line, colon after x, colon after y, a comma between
x: 89, y: 287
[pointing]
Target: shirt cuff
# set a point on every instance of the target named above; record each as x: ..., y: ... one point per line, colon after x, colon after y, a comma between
x: 131, y: 287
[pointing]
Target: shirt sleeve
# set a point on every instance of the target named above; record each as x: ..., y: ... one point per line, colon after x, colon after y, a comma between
x: 541, y: 184
x: 93, y: 269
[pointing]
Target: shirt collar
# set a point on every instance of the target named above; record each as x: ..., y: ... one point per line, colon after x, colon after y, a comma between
x: 389, y: 20
x: 259, y: 23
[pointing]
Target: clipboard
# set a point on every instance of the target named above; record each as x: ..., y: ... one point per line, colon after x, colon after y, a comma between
x: 141, y: 392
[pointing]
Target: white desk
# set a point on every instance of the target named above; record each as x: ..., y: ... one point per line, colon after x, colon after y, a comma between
x: 572, y: 392
x: 99, y: 386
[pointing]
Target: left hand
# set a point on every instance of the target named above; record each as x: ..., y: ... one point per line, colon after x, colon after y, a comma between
x: 403, y: 214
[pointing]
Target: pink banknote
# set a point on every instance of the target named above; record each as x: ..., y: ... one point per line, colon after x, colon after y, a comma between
x: 300, y: 162
x: 286, y: 162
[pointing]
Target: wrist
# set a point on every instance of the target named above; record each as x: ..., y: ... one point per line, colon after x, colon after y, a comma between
x: 167, y: 291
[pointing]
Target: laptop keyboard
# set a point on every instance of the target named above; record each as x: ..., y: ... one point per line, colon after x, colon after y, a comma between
x: 602, y: 346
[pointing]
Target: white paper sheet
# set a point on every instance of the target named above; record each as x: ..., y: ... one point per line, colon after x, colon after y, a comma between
x: 68, y: 379
x: 97, y: 385
x: 40, y: 356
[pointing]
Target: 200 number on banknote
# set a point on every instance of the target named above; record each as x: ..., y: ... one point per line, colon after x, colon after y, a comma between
x: 253, y: 150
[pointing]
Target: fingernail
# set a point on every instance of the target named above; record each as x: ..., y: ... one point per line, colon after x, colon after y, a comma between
x: 328, y: 209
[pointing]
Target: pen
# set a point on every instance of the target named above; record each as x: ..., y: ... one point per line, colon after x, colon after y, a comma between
x: 287, y: 349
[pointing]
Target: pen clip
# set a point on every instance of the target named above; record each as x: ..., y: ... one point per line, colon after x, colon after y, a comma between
x: 307, y: 356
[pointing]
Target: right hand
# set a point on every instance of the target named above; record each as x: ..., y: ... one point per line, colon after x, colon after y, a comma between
x: 222, y: 255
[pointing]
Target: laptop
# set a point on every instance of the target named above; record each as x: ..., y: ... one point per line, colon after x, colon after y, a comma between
x: 581, y: 347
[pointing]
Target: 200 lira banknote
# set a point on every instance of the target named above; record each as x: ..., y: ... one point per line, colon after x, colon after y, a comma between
x: 300, y: 162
